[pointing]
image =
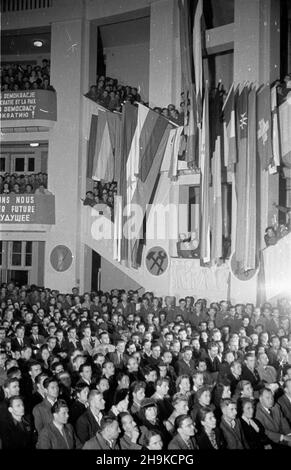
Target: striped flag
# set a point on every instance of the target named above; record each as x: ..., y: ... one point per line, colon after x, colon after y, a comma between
x: 144, y: 139
x: 92, y: 145
x: 197, y: 56
x: 275, y: 126
x: 229, y: 130
x: 205, y: 183
x: 250, y: 228
x: 264, y: 124
x: 285, y: 134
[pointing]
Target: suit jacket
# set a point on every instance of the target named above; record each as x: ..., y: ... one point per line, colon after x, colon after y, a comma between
x: 86, y: 426
x: 234, y: 437
x: 76, y: 410
x: 255, y: 440
x: 285, y: 406
x: 15, y: 345
x: 99, y: 443
x: 14, y: 435
x: 42, y: 414
x: 118, y: 364
x: 204, y: 442
x: 212, y: 365
x: 252, y: 377
x: 51, y: 438
x: 164, y: 407
x: 125, y: 443
x: 177, y: 443
x: 182, y: 368
x: 274, y: 425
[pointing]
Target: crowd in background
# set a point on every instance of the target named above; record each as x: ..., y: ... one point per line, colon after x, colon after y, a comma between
x: 103, y: 193
x: 111, y: 95
x: 16, y: 183
x: 16, y: 77
x: 111, y: 370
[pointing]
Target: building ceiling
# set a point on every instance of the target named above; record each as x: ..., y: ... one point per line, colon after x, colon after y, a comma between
x: 21, y: 42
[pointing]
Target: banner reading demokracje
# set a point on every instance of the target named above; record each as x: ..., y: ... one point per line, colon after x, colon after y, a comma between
x: 27, y: 209
x: 31, y: 104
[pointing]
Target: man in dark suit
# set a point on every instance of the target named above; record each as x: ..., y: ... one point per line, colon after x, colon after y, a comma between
x: 90, y: 421
x: 212, y: 361
x: 72, y: 343
x: 106, y: 438
x: 186, y: 365
x: 28, y: 385
x: 19, y: 340
x: 36, y: 340
x: 160, y: 397
x: 42, y: 412
x: 276, y: 426
x: 184, y: 438
x: 285, y: 401
x: 118, y: 357
x: 16, y: 431
x: 231, y: 426
x: 58, y: 434
x: 235, y: 375
x: 250, y: 373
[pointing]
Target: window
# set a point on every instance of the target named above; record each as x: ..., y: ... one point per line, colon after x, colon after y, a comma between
x: 19, y: 164
x: 31, y: 164
x: 21, y: 253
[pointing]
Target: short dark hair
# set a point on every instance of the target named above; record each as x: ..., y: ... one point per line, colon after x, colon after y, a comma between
x: 179, y: 420
x: 107, y: 421
x: 58, y: 405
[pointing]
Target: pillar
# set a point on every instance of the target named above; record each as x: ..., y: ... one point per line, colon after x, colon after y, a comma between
x: 165, y: 65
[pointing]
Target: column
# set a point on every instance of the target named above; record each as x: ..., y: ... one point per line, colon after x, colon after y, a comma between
x: 165, y: 65
x: 64, y: 148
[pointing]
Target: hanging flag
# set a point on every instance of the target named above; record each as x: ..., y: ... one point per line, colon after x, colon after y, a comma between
x: 205, y: 183
x: 92, y: 145
x: 240, y: 170
x: 216, y: 200
x: 175, y: 137
x: 197, y: 56
x: 229, y: 130
x: 250, y: 234
x: 285, y: 134
x: 264, y: 126
x: 275, y: 126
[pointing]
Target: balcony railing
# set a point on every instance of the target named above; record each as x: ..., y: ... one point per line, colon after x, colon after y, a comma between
x: 22, y: 5
x: 27, y: 209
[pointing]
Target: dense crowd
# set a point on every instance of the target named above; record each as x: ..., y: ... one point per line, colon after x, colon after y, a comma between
x: 15, y: 77
x: 103, y: 193
x: 111, y: 95
x: 116, y: 370
x: 32, y: 183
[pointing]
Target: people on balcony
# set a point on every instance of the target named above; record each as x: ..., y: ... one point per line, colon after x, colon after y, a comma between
x: 15, y: 77
x: 24, y: 183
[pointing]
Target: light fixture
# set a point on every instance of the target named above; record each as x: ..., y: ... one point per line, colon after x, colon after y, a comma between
x: 38, y: 43
x: 34, y: 144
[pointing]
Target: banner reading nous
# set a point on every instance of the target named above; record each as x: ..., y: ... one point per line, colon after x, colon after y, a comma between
x: 31, y: 104
x: 27, y: 209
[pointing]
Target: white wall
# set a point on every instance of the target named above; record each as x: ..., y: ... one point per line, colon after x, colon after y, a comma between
x: 129, y: 63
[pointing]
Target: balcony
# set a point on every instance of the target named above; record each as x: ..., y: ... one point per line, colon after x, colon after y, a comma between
x: 27, y: 110
x: 26, y: 212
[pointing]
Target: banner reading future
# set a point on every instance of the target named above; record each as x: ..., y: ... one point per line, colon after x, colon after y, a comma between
x: 27, y: 209
x: 31, y: 104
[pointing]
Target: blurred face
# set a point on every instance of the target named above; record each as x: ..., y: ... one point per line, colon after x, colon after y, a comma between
x: 185, y: 385
x: 103, y: 385
x: 128, y: 424
x: 248, y: 410
x: 167, y: 357
x: 209, y: 421
x: 188, y: 427
x: 97, y: 404
x: 151, y: 413
x: 124, y: 382
x: 17, y: 409
x: 83, y: 395
x: 164, y: 388
x: 202, y: 366
x: 35, y: 370
x: 250, y: 362
x: 62, y: 416
x: 205, y: 398
x: 267, y: 399
x: 53, y: 390
x: 236, y: 369
x: 230, y: 411
x: 156, y: 351
x: 182, y: 407
x: 87, y: 373
x: 155, y: 443
x: 120, y: 347
x: 264, y: 361
x: 248, y: 390
x: 198, y: 380
x: 123, y: 405
x: 12, y: 390
x: 187, y: 355
x: 109, y: 369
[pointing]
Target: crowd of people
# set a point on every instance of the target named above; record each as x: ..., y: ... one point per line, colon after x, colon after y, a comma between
x: 32, y: 183
x: 122, y: 371
x: 16, y: 77
x: 103, y: 193
x: 111, y: 95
